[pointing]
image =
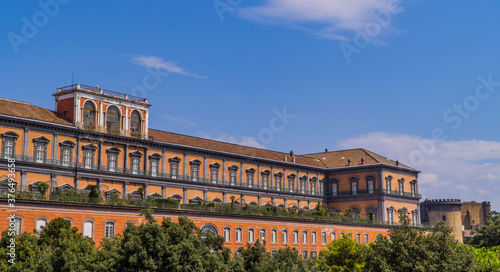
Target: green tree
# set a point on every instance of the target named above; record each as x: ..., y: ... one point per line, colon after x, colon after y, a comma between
x: 409, y: 249
x: 343, y: 254
x: 489, y: 234
x: 487, y: 258
x: 43, y: 187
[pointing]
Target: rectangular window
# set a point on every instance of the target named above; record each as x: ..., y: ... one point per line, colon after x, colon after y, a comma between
x: 265, y: 180
x: 66, y: 156
x: 314, y: 254
x: 335, y: 188
x: 413, y: 189
x: 135, y: 165
x: 370, y: 187
x: 388, y: 185
x: 291, y: 183
x: 39, y: 224
x: 214, y: 173
x: 303, y: 186
x: 112, y: 162
x: 154, y: 168
x: 8, y: 151
x: 232, y: 177
x: 354, y: 187
x: 88, y: 159
x: 250, y: 179
x: 195, y: 169
x: 401, y: 187
x: 110, y: 229
x: 415, y: 219
x: 304, y: 254
x: 278, y: 183
x: 88, y: 228
x: 40, y: 153
x: 322, y: 187
x: 174, y: 169
x: 389, y: 217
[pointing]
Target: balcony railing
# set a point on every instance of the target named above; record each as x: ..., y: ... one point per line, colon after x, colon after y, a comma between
x: 218, y: 181
x: 100, y: 90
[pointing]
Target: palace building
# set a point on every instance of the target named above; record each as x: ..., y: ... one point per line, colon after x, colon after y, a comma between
x: 96, y: 138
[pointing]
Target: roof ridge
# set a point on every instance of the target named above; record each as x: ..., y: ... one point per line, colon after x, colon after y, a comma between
x: 368, y: 153
x: 16, y: 101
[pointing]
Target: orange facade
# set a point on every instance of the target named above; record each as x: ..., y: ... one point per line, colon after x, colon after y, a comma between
x: 192, y: 170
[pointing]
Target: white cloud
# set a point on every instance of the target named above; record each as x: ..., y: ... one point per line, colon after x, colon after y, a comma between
x: 177, y: 120
x: 327, y: 18
x: 159, y: 63
x: 244, y: 140
x: 469, y: 170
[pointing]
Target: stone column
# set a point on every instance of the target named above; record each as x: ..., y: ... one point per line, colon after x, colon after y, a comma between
x: 26, y: 142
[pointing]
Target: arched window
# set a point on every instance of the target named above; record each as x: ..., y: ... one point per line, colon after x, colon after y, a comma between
x: 40, y: 222
x: 358, y: 238
x: 238, y: 235
x: 227, y: 234
x: 284, y: 236
x: 367, y: 240
x: 88, y: 228
x: 323, y: 237
x: 113, y: 120
x: 210, y: 228
x: 333, y: 236
x: 313, y: 237
x: 262, y: 235
x: 304, y: 237
x: 250, y: 235
x: 135, y: 124
x: 89, y: 114
x: 295, y: 237
x: 274, y: 234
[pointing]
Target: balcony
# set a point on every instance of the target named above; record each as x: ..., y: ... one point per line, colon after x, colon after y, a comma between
x: 376, y: 191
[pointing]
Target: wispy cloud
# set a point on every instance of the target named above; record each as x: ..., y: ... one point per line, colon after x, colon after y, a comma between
x: 469, y: 170
x: 331, y: 19
x: 159, y: 63
x: 244, y: 140
x: 177, y: 120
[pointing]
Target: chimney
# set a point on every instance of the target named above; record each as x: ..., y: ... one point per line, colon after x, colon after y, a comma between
x: 348, y: 162
x: 293, y: 156
x: 326, y: 150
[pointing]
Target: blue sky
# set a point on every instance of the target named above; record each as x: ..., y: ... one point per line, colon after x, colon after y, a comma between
x: 225, y: 69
